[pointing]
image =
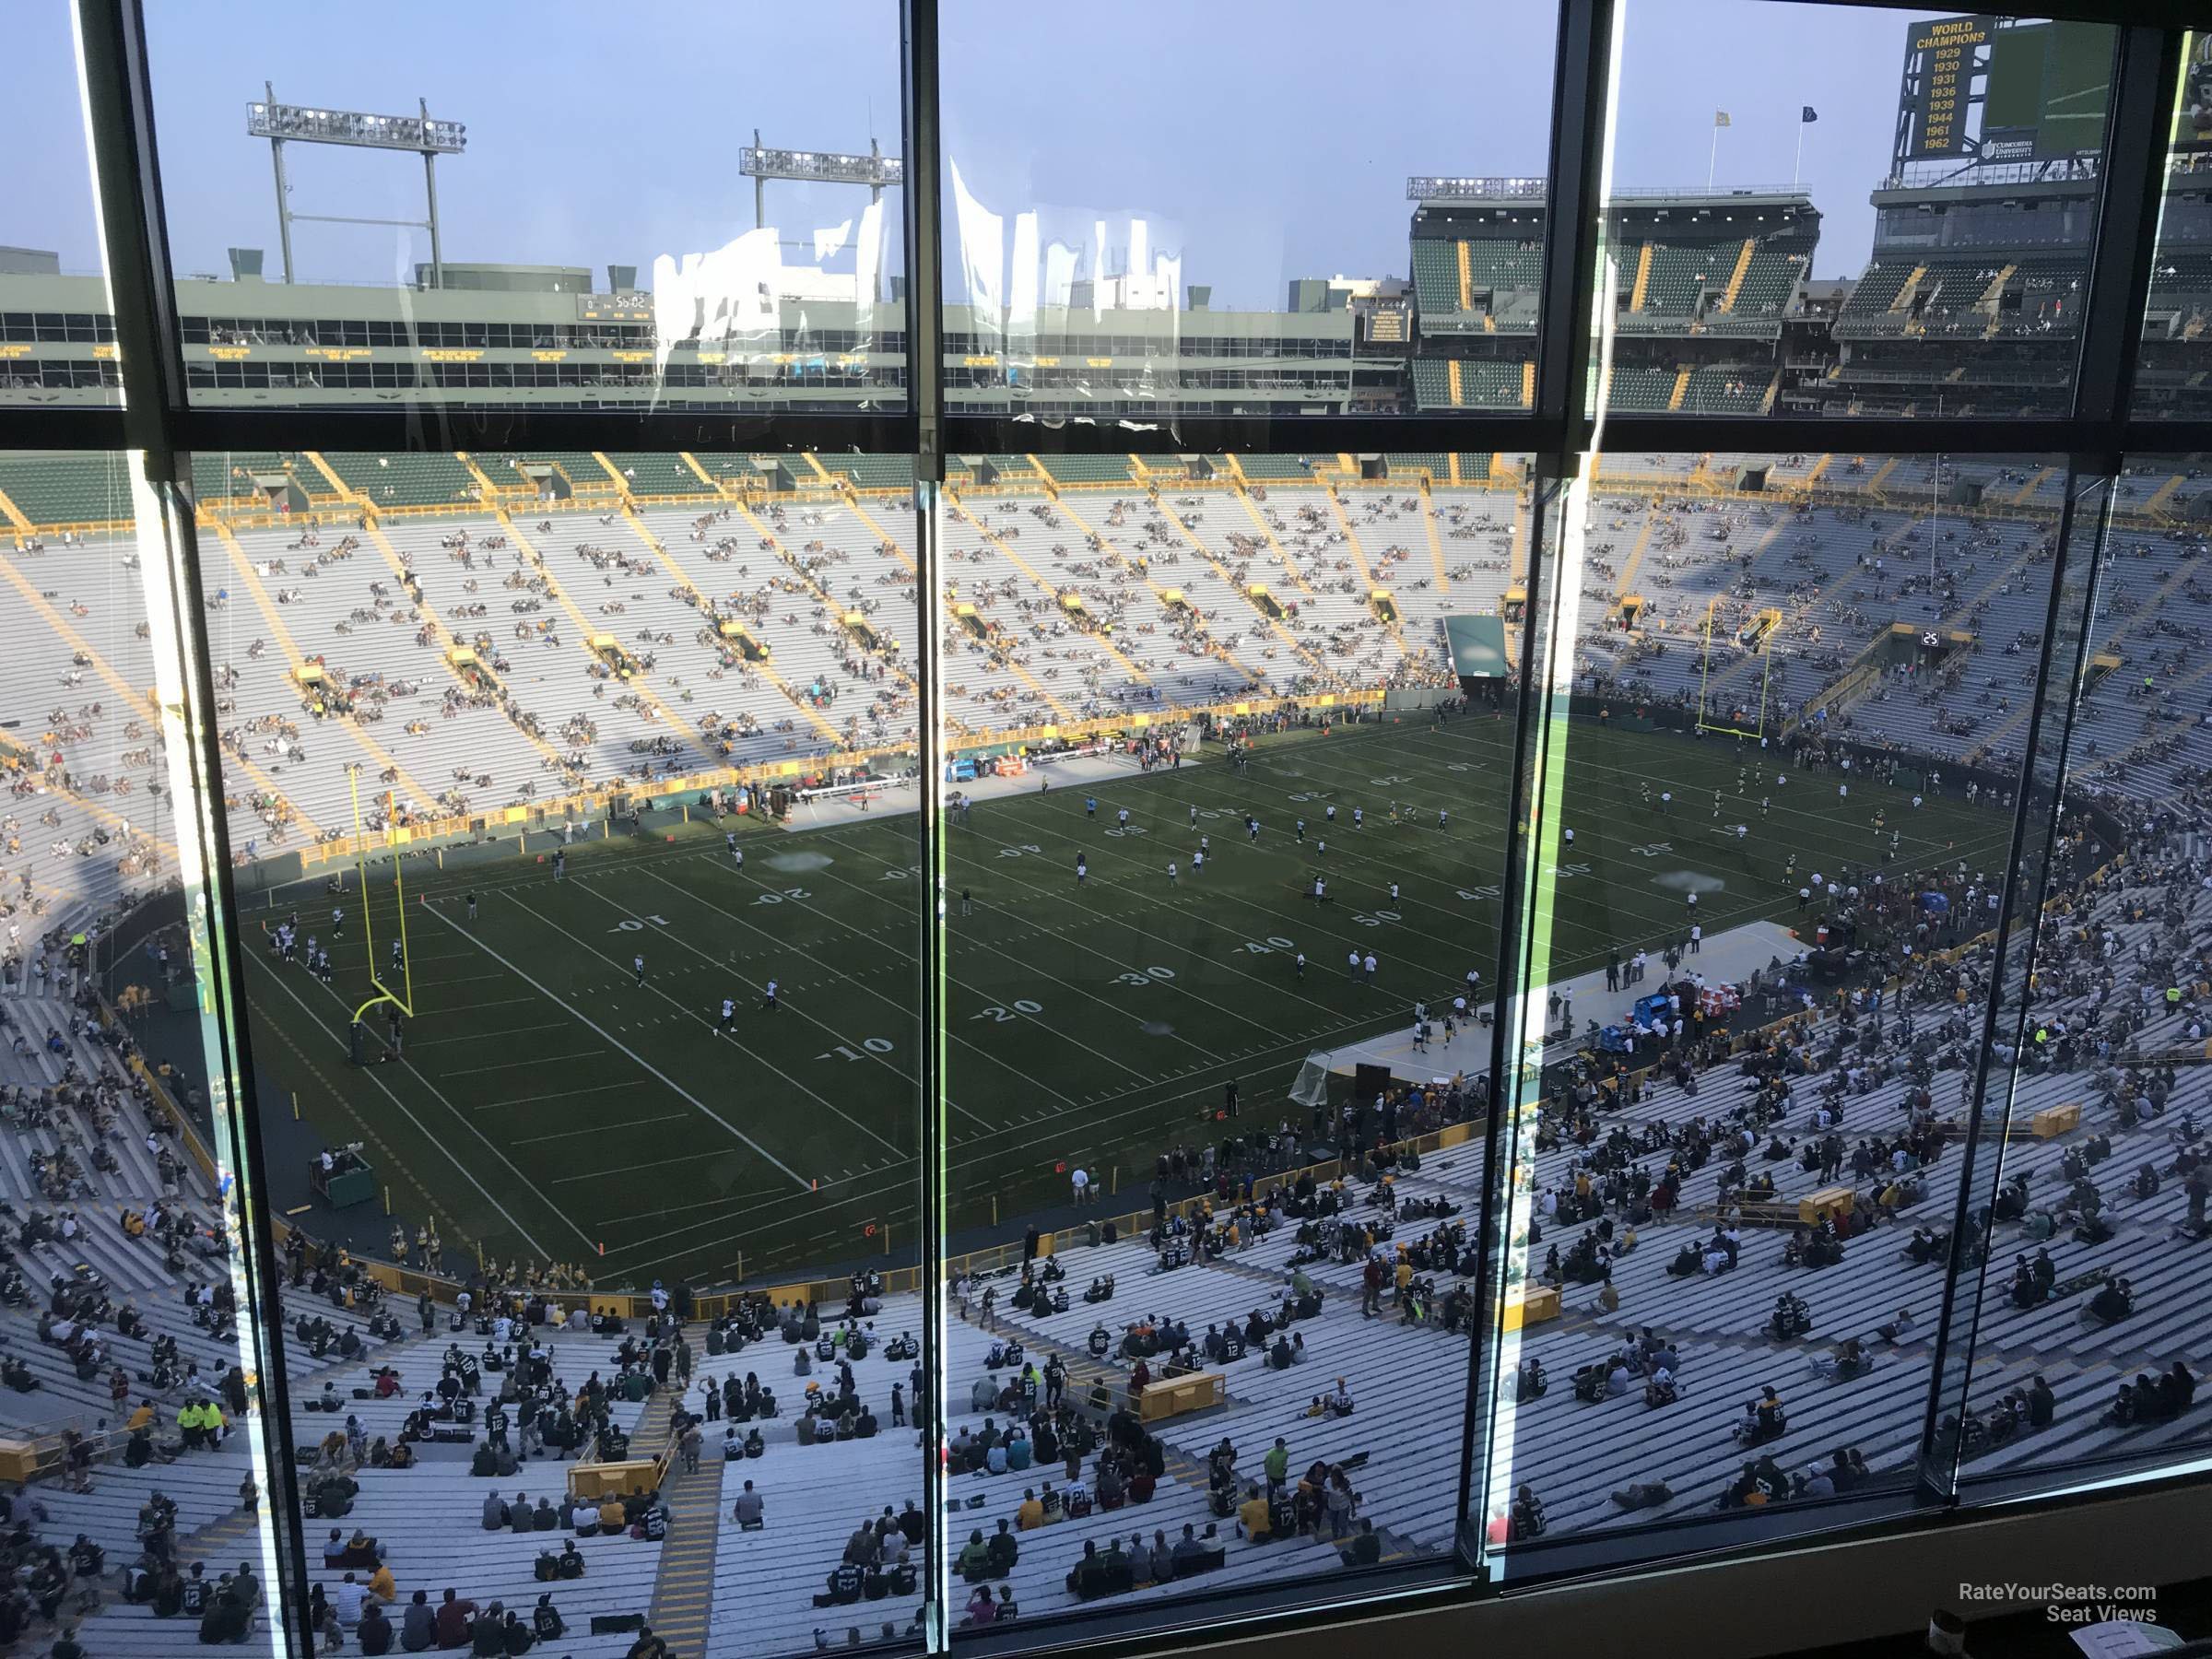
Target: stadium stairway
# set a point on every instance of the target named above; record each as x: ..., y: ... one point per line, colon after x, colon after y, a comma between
x: 683, y: 1593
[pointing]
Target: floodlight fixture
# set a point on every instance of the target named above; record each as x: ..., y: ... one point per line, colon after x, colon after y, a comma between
x: 760, y: 162
x: 421, y: 134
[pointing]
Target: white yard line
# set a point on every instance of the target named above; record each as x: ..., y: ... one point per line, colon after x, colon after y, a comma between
x: 673, y: 1087
x: 466, y: 1174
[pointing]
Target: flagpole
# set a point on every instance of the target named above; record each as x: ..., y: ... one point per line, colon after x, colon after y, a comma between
x: 1713, y: 161
x: 1797, y: 165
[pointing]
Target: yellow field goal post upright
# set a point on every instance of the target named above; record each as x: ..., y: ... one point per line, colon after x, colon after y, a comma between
x: 1766, y: 676
x: 400, y: 1000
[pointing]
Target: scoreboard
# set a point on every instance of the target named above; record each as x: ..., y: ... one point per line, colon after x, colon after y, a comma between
x: 614, y: 308
x: 1942, y: 56
x: 2049, y: 86
x: 1978, y: 89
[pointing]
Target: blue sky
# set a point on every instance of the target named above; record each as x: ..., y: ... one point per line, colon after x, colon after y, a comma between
x: 1262, y: 140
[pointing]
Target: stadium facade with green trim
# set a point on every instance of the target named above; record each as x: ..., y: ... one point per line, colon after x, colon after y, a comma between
x: 1969, y: 305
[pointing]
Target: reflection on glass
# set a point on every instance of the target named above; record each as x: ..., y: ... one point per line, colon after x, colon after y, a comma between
x: 2181, y: 274
x: 1097, y: 271
x: 1929, y: 254
x: 575, y: 834
x: 2092, y: 1182
x: 1226, y: 743
x: 57, y: 327
x: 396, y: 229
x: 134, y: 1358
x: 1775, y: 812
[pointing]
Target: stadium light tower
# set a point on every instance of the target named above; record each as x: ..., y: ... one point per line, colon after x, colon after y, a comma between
x: 759, y: 163
x: 280, y: 122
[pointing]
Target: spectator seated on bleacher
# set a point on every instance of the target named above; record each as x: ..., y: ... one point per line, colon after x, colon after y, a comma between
x: 1366, y: 1548
x: 2150, y: 1399
x: 340, y: 1553
x: 1760, y: 1483
x: 2112, y: 1303
x: 1849, y: 1361
x: 1194, y: 1553
x: 1764, y: 1418
x: 453, y: 1620
x: 844, y: 1586
x: 546, y: 1622
x: 227, y: 1620
x: 1101, y: 1574
x: 568, y: 1564
x: 1813, y: 1247
x: 1256, y: 1515
x: 980, y: 1558
x: 1790, y: 1318
x: 1590, y: 1382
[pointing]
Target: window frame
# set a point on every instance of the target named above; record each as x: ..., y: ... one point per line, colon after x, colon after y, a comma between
x: 158, y: 418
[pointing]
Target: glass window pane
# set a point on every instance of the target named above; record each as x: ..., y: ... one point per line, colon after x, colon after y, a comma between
x: 632, y: 263
x: 2181, y: 278
x: 67, y: 357
x: 2091, y: 1181
x: 573, y: 797
x: 1151, y: 237
x: 1774, y: 804
x: 1927, y: 255
x: 1226, y: 835
x: 125, y: 1184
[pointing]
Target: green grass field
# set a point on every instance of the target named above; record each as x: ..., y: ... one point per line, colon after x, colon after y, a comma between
x: 549, y: 1104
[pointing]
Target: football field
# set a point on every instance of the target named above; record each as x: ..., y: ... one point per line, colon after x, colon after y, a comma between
x: 552, y: 1101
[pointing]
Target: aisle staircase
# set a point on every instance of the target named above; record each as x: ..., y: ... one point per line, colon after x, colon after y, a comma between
x: 683, y: 1594
x: 1736, y: 278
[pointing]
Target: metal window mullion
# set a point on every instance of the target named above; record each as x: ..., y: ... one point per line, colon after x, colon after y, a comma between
x: 134, y: 229
x: 925, y: 238
x: 121, y: 122
x: 2016, y: 909
x: 1581, y: 98
x: 2132, y: 178
x: 489, y: 427
x: 924, y: 441
x: 1479, y: 1424
x: 264, y: 1267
